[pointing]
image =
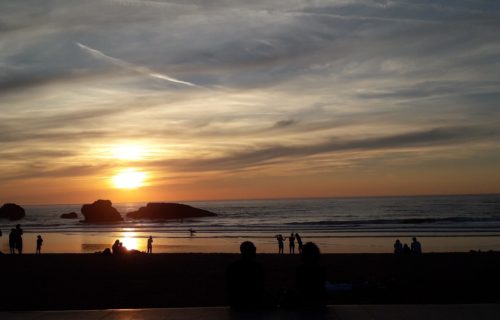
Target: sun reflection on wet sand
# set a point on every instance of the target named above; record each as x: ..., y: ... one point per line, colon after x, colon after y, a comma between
x: 130, y: 240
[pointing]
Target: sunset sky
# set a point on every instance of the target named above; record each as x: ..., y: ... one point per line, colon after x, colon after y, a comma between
x: 184, y: 100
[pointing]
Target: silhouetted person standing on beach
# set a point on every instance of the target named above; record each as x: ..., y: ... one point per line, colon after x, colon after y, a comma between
x: 150, y: 244
x: 416, y: 247
x: 19, y: 239
x: 245, y: 280
x: 299, y: 242
x: 311, y: 278
x: 398, y: 247
x: 280, y: 239
x: 39, y: 242
x: 12, y: 241
x: 291, y: 241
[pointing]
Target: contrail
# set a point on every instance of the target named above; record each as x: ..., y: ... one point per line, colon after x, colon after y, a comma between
x: 139, y: 69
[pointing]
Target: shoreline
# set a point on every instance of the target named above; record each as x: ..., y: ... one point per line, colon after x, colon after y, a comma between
x: 60, y: 243
x: 71, y: 281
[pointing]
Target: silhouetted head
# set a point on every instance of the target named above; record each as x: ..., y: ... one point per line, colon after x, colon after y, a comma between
x: 414, y: 239
x: 310, y: 253
x: 397, y: 241
x: 291, y: 234
x: 117, y: 242
x: 150, y: 237
x: 248, y: 250
x: 39, y: 236
x: 18, y: 226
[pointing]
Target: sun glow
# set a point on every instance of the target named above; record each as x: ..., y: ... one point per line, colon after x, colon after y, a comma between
x: 130, y: 240
x: 128, y: 152
x: 129, y: 179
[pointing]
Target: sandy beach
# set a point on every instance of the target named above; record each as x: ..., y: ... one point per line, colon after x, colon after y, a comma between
x: 92, y: 281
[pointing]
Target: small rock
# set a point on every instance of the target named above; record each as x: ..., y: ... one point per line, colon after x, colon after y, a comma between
x: 71, y: 215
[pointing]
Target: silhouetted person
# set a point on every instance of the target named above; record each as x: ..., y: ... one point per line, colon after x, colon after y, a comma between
x: 245, y: 280
x: 416, y: 247
x: 311, y: 278
x: 39, y: 242
x: 12, y: 241
x: 280, y: 239
x: 299, y: 242
x: 115, y: 248
x: 291, y: 241
x: 150, y: 244
x: 406, y: 249
x: 19, y: 239
x: 191, y: 232
x: 121, y: 248
x: 398, y: 247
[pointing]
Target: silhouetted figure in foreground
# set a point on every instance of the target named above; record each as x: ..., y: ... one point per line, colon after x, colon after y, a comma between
x: 398, y: 247
x: 406, y: 249
x: 280, y: 239
x: 150, y: 244
x: 245, y: 280
x: 115, y: 247
x: 311, y: 278
x: 118, y: 248
x: 39, y: 242
x: 18, y: 239
x: 299, y: 242
x: 291, y: 241
x: 416, y: 247
x: 12, y: 241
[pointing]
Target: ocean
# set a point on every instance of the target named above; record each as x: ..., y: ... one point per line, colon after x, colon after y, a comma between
x: 337, y: 225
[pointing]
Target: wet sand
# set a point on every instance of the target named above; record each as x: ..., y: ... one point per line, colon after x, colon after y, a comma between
x: 91, y: 281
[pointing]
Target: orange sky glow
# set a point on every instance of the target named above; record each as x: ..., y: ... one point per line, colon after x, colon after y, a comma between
x: 169, y: 102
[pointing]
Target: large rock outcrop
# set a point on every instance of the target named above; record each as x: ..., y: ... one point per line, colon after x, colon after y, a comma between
x: 100, y: 211
x: 169, y: 211
x: 12, y: 212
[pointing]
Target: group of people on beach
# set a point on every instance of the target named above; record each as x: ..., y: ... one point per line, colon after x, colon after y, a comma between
x: 16, y: 241
x: 415, y: 247
x: 291, y: 242
x: 246, y: 281
x: 118, y: 249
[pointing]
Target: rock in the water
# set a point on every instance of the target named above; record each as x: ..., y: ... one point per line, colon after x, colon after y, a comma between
x: 12, y: 211
x: 169, y: 211
x: 100, y: 211
x: 71, y: 215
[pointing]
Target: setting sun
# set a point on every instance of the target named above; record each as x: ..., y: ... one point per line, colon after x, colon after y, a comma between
x: 129, y: 179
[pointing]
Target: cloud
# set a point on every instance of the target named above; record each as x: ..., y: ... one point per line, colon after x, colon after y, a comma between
x: 279, y: 154
x: 289, y: 81
x: 284, y: 123
x: 44, y: 170
x: 139, y: 69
